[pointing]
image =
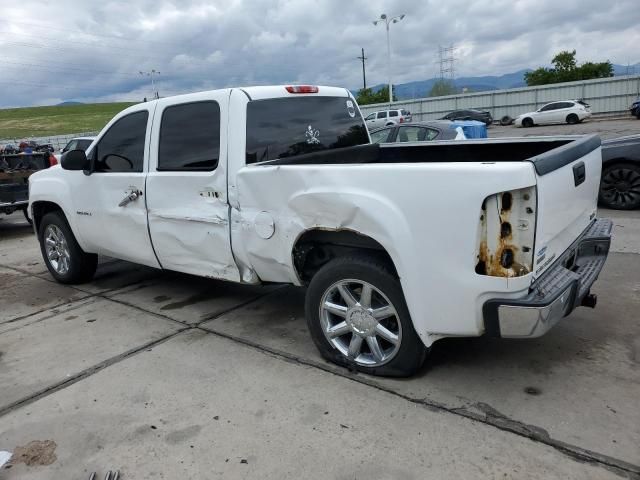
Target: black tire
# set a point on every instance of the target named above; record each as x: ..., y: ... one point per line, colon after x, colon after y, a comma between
x: 620, y: 186
x: 527, y: 122
x: 82, y: 266
x: 26, y: 216
x: 410, y: 354
x: 572, y: 119
x: 506, y: 120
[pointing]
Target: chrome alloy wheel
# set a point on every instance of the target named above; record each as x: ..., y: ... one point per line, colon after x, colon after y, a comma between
x: 361, y: 322
x: 57, y: 249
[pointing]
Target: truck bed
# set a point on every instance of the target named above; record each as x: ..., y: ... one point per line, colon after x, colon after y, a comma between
x: 546, y: 153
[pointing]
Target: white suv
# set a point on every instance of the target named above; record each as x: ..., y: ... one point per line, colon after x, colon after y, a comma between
x: 569, y: 111
x: 384, y: 118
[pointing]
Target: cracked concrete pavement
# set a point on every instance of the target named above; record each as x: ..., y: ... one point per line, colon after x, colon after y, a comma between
x: 163, y: 375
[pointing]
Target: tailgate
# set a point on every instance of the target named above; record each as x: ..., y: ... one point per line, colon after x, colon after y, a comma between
x: 568, y: 178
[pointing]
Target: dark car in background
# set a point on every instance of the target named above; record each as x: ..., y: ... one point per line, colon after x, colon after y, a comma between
x: 470, y: 114
x: 414, y: 132
x: 620, y: 182
x: 635, y: 108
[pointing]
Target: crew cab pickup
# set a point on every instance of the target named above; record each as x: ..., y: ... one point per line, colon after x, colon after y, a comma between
x: 399, y: 245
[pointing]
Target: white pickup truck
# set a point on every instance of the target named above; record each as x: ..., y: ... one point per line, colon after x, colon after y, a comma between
x: 399, y: 245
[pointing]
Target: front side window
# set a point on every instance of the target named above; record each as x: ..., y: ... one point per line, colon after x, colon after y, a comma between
x: 83, y: 144
x: 551, y: 106
x: 121, y: 149
x: 380, y: 136
x: 371, y: 116
x: 190, y: 137
x: 70, y: 146
x: 289, y: 126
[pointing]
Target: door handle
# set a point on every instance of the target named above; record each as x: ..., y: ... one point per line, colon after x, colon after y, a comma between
x: 133, y: 195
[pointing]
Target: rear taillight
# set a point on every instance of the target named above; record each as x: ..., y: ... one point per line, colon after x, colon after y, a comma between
x: 52, y: 160
x: 506, y: 233
x: 401, y: 120
x: 302, y: 89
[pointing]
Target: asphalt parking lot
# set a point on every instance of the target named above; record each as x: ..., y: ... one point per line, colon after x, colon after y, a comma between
x: 163, y: 375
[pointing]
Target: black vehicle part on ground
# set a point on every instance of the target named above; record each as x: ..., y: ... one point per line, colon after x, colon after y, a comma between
x: 82, y: 265
x: 412, y: 353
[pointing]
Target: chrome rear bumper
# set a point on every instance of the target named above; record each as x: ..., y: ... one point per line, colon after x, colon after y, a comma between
x: 554, y: 295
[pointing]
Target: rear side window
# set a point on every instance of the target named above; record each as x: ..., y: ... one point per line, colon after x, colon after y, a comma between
x: 393, y: 113
x: 121, y: 149
x: 190, y: 137
x: 382, y: 114
x: 285, y: 127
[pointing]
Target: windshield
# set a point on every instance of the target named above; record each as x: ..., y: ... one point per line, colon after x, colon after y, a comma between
x: 285, y: 127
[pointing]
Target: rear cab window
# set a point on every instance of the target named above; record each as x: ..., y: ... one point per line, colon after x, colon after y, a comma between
x: 286, y: 127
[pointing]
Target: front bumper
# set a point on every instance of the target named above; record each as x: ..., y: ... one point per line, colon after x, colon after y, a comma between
x: 555, y: 294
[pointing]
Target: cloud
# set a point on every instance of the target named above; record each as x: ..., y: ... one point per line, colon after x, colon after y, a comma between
x: 93, y: 51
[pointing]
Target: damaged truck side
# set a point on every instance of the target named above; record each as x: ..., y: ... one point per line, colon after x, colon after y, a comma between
x: 399, y: 245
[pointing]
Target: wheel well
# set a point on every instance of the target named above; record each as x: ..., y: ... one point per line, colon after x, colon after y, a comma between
x: 40, y: 209
x: 316, y: 247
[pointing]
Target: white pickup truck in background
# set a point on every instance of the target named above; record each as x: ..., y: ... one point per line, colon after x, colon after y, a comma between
x: 399, y: 245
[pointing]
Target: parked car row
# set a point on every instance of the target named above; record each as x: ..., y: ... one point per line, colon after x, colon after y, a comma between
x: 620, y: 182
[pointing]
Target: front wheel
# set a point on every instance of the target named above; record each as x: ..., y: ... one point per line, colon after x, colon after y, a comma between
x: 527, y: 122
x: 358, y: 318
x: 66, y: 261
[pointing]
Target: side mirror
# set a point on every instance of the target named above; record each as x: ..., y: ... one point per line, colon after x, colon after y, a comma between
x: 75, y: 160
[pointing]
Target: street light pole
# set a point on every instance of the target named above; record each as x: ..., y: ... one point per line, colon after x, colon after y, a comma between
x: 387, y: 21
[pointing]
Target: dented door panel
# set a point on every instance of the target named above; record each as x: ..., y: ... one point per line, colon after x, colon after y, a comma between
x: 187, y: 211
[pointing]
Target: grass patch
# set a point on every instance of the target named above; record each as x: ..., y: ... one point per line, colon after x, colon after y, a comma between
x: 22, y: 123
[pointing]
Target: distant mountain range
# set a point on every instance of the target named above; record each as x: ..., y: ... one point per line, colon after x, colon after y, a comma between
x: 420, y: 89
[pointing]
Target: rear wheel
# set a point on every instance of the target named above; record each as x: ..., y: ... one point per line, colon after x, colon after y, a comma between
x: 358, y: 318
x: 527, y: 122
x: 572, y: 119
x: 66, y: 261
x: 620, y: 186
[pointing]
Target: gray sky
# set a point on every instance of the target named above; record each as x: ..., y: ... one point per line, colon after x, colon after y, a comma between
x: 90, y: 50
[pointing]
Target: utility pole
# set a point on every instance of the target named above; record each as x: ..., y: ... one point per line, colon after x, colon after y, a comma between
x: 364, y: 75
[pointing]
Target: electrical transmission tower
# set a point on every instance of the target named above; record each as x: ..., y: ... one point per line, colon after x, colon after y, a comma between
x: 446, y: 60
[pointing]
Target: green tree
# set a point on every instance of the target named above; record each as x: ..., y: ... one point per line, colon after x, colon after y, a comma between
x: 442, y: 87
x: 566, y: 69
x: 367, y: 96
